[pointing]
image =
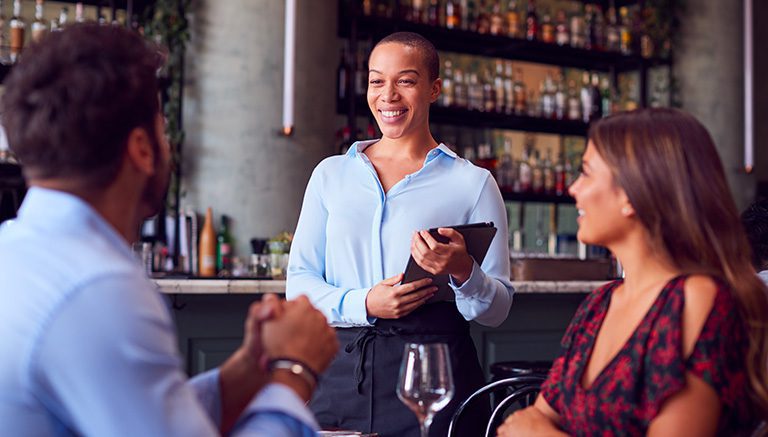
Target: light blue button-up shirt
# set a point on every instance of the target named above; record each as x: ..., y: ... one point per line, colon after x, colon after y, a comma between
x: 351, y: 235
x: 87, y: 343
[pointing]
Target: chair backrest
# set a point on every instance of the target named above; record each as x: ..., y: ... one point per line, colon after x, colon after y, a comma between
x: 521, y: 387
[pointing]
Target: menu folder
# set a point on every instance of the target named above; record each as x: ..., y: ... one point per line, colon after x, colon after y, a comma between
x: 477, y: 237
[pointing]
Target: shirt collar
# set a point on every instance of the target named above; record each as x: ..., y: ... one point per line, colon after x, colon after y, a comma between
x: 358, y: 147
x: 56, y: 210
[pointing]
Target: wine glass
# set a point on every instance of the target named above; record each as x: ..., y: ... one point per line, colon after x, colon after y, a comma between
x: 426, y: 381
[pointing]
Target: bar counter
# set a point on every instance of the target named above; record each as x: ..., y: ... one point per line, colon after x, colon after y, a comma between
x: 210, y: 315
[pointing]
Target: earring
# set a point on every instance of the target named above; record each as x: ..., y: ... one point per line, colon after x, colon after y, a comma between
x: 626, y: 210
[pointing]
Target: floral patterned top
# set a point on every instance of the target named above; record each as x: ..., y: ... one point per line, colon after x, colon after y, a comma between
x: 629, y: 392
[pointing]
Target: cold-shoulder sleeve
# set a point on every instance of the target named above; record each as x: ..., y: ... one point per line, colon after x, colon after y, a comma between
x: 717, y: 358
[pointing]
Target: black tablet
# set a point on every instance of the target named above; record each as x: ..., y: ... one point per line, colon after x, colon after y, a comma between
x: 477, y: 237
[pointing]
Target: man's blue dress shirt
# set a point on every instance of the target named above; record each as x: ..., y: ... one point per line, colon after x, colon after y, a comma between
x: 352, y: 235
x: 87, y: 343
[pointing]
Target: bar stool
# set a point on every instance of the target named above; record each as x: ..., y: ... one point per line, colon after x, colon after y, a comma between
x: 513, y: 369
x: 509, y: 369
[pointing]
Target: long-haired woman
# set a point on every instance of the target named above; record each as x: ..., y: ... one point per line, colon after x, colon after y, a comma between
x: 679, y: 346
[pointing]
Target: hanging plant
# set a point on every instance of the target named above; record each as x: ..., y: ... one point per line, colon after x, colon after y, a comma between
x: 166, y: 24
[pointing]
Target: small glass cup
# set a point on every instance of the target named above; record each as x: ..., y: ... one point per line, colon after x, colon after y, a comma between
x: 260, y: 266
x: 279, y: 263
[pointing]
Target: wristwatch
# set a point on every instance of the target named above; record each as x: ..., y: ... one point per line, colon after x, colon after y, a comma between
x: 297, y: 368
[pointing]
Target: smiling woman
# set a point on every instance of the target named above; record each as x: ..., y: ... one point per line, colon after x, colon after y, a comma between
x: 356, y: 233
x: 679, y: 346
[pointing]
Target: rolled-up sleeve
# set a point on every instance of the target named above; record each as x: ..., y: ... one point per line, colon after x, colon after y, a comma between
x: 487, y: 295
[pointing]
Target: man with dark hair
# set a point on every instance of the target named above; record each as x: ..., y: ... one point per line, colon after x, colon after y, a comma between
x: 88, y: 344
x: 755, y: 221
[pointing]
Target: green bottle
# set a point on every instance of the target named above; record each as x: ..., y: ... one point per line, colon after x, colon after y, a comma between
x: 224, y: 242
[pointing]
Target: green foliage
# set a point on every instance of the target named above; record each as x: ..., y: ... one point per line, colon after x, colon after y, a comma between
x: 167, y: 25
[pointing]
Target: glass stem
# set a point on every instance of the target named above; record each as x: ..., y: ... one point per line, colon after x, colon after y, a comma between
x: 424, y: 425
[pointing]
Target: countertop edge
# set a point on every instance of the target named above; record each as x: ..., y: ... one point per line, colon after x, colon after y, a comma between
x: 260, y: 286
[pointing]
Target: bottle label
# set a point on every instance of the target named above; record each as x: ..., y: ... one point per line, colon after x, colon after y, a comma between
x: 207, y: 261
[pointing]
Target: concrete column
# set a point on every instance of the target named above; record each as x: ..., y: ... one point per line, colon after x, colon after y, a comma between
x: 709, y: 65
x: 234, y: 160
x: 761, y: 90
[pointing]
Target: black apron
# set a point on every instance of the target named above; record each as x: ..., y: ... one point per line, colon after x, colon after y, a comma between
x: 358, y: 391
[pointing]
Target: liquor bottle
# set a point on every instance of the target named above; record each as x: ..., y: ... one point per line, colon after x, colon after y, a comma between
x: 561, y: 99
x: 483, y: 18
x: 433, y: 13
x: 571, y: 173
x: 589, y: 37
x: 447, y: 93
x: 452, y: 14
x: 533, y: 108
x: 383, y: 9
x: 612, y: 36
x: 419, y: 12
x: 577, y: 30
x: 606, y: 100
x: 598, y: 31
x: 531, y: 22
x: 17, y: 26
x: 367, y: 7
x: 549, y: 173
x: 585, y: 95
x: 475, y: 89
x: 625, y: 32
x: 562, y: 35
x: 519, y: 93
x: 597, y: 99
x: 509, y: 97
x: 207, y: 251
x: 39, y: 27
x: 513, y: 21
x: 498, y: 86
x: 560, y: 185
x: 405, y: 9
x: 496, y: 20
x: 79, y: 17
x: 464, y: 14
x: 460, y: 92
x: 646, y: 43
x: 505, y: 173
x: 574, y: 106
x: 524, y: 173
x: 537, y: 180
x: 489, y: 92
x: 469, y: 17
x: 547, y: 30
x: 62, y: 22
x: 342, y: 76
x: 486, y: 158
x: 224, y: 242
x: 548, y: 96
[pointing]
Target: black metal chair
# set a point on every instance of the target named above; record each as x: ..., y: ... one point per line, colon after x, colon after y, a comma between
x: 517, y: 390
